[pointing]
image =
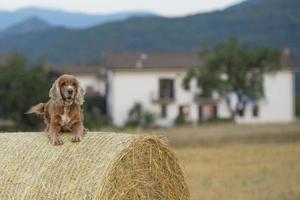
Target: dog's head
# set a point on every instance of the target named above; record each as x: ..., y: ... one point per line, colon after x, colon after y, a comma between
x: 66, y: 91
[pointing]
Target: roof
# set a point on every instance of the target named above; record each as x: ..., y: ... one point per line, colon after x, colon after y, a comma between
x: 121, y: 61
x: 94, y: 70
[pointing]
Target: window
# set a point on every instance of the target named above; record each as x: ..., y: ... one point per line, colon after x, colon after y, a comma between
x: 207, y: 111
x: 200, y: 115
x: 166, y: 89
x: 184, y: 111
x: 163, y: 110
x: 215, y: 111
x: 241, y: 109
x: 255, y: 111
x: 241, y: 112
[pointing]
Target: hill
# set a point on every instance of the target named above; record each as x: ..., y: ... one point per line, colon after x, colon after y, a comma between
x: 265, y: 22
x: 62, y: 18
x: 29, y: 25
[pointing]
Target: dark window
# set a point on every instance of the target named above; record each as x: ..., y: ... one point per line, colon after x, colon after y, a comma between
x: 241, y: 109
x: 163, y: 110
x: 215, y: 111
x: 166, y: 89
x: 241, y: 112
x: 255, y: 111
x: 181, y: 113
x: 200, y: 115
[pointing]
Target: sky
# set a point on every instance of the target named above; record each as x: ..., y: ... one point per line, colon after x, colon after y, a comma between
x: 162, y: 7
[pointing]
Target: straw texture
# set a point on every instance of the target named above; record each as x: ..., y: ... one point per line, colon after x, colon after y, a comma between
x: 103, y: 166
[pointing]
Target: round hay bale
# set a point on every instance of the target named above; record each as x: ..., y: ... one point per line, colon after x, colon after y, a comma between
x: 103, y: 166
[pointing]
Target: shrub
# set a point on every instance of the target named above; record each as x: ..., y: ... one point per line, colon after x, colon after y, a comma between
x: 180, y: 120
x: 138, y: 117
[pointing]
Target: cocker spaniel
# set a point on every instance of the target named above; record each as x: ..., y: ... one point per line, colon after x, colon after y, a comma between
x: 63, y: 113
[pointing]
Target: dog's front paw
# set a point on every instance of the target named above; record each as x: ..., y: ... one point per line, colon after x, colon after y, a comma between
x: 57, y: 141
x: 76, y: 138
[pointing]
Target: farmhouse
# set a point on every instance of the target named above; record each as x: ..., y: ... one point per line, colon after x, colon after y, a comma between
x: 152, y: 80
x: 155, y: 81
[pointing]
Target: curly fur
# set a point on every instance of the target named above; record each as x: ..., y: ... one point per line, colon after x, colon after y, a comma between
x: 63, y: 110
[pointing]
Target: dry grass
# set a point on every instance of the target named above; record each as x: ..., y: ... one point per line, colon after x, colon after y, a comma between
x: 249, y: 162
x: 102, y: 166
x: 248, y: 172
x: 209, y: 135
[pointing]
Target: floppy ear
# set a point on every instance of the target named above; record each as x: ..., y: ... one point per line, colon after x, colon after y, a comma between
x: 79, y: 99
x: 54, y: 92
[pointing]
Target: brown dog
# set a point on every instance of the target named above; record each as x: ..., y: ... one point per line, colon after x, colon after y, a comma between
x: 63, y: 111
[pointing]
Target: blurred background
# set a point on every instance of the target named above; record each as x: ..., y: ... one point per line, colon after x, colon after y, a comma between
x: 220, y: 79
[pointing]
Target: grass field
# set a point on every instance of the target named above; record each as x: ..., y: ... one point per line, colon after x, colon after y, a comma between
x: 240, y: 162
x: 231, y: 162
x: 243, y: 172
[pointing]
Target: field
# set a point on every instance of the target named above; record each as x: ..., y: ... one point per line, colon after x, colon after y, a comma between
x: 268, y: 171
x: 226, y: 161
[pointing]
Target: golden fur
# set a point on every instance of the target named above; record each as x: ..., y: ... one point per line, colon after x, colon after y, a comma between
x: 62, y: 113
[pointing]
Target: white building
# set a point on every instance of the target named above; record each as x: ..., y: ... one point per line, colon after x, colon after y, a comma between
x: 152, y: 80
x: 155, y: 81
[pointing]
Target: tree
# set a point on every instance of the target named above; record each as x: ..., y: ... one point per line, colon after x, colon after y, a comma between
x: 234, y: 67
x: 21, y: 86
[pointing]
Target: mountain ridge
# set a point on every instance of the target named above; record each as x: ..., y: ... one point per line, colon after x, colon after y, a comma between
x: 32, y: 24
x: 267, y: 22
x: 67, y: 19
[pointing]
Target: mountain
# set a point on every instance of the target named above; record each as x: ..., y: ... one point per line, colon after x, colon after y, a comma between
x: 62, y: 18
x: 32, y: 24
x: 255, y: 22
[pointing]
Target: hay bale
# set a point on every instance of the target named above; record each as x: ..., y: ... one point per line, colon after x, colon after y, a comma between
x: 102, y: 166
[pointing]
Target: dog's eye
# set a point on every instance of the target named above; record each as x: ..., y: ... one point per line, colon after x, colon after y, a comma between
x: 63, y: 84
x: 74, y: 84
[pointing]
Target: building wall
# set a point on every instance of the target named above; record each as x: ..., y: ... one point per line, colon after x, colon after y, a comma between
x: 92, y: 81
x: 127, y: 88
x: 278, y: 104
x: 223, y: 110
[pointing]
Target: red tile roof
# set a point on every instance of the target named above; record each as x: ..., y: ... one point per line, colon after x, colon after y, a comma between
x: 152, y: 61
x: 96, y: 70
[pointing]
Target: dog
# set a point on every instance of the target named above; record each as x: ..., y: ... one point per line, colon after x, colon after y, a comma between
x: 63, y: 113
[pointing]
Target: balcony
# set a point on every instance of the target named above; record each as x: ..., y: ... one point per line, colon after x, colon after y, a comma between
x: 205, y: 100
x: 157, y: 99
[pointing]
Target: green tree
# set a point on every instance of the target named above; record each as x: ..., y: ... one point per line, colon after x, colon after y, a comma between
x: 21, y: 86
x: 234, y: 67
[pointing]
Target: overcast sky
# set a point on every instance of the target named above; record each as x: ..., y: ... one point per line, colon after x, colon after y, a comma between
x: 163, y: 7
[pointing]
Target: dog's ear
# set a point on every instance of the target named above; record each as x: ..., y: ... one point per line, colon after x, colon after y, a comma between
x: 54, y: 92
x: 79, y: 99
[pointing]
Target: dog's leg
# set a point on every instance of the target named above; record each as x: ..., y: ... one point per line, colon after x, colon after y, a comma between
x: 78, y: 131
x: 85, y: 130
x: 53, y: 133
x: 47, y: 121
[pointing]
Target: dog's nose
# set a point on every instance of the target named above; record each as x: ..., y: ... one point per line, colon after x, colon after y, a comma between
x: 70, y: 91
